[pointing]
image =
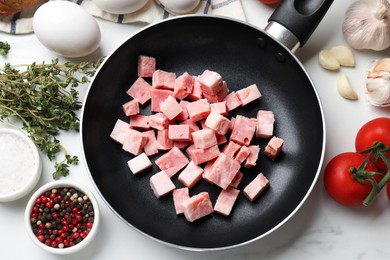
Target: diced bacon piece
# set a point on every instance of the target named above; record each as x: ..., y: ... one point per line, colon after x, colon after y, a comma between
x: 218, y: 97
x: 210, y: 82
x: 231, y: 149
x: 248, y: 94
x: 170, y: 107
x: 207, y: 170
x: 180, y: 195
x: 232, y: 121
x: 253, y: 156
x: 197, y: 206
x: 194, y: 127
x: 191, y: 175
x: 139, y: 122
x: 140, y: 90
x: 221, y: 139
x: 139, y: 163
x: 183, y: 86
x: 219, y: 107
x: 237, y: 180
x: 181, y: 133
x: 196, y: 93
x: 163, y: 140
x: 131, y: 107
x: 226, y: 200
x: 256, y: 187
x: 265, y: 124
x: 158, y: 121
x: 224, y: 170
x: 243, y: 131
x: 218, y: 123
x: 204, y: 138
x: 184, y: 114
x: 274, y: 147
x: 157, y: 97
x: 200, y: 156
x: 151, y: 146
x: 146, y: 66
x: 172, y: 162
x: 242, y: 154
x: 232, y: 101
x: 163, y: 79
x: 161, y: 184
x: 198, y: 110
x: 120, y: 131
x: 134, y: 142
x: 181, y: 145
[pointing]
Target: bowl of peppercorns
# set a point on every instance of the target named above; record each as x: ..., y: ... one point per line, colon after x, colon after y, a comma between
x: 62, y: 217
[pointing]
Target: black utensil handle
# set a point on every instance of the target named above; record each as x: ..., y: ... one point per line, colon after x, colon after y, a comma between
x: 301, y: 17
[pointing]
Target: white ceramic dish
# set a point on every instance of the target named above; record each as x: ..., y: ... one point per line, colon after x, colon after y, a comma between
x: 17, y: 176
x: 56, y: 185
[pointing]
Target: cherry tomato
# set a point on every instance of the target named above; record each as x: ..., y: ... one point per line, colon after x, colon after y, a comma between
x: 339, y: 181
x: 375, y: 130
x: 270, y: 2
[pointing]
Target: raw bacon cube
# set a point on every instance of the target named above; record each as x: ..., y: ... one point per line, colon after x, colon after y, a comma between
x: 197, y: 206
x: 134, y: 142
x: 221, y: 139
x: 120, y: 131
x: 210, y: 82
x: 140, y: 90
x: 256, y: 187
x: 218, y: 123
x: 161, y: 184
x: 139, y: 163
x: 274, y: 147
x: 131, y: 108
x: 200, y: 156
x: 243, y: 130
x: 253, y: 156
x: 163, y: 79
x: 181, y: 145
x: 157, y: 97
x: 219, y: 107
x: 170, y: 107
x: 184, y: 114
x: 140, y: 122
x: 224, y: 170
x: 151, y: 146
x: 146, y: 66
x: 232, y: 101
x: 248, y: 94
x: 237, y: 180
x: 242, y: 154
x: 164, y: 143
x: 231, y: 149
x: 196, y: 93
x: 158, y: 121
x: 180, y: 195
x: 226, y: 200
x: 181, y: 133
x: 198, y: 110
x: 207, y: 169
x: 194, y: 127
x: 172, y: 162
x: 265, y: 124
x: 218, y: 97
x: 204, y: 138
x: 190, y: 175
x: 183, y: 86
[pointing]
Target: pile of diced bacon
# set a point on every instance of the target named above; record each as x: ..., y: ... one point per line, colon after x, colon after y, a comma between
x: 189, y: 121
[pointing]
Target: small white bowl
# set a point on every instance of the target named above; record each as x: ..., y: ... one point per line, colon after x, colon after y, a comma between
x: 56, y: 185
x: 16, y: 148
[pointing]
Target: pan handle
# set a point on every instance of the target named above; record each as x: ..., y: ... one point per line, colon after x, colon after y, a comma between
x: 296, y: 20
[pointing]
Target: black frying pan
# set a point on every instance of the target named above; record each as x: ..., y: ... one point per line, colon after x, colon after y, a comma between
x: 243, y: 55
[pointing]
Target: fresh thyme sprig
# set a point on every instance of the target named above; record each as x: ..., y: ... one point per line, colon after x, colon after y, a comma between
x: 45, y: 98
x: 4, y: 48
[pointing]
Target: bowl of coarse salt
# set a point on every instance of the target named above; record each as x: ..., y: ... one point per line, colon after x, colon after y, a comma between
x: 20, y: 164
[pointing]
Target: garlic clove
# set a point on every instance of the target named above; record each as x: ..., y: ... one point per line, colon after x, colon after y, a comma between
x: 344, y: 55
x: 344, y: 88
x: 382, y: 65
x: 378, y: 91
x: 328, y: 60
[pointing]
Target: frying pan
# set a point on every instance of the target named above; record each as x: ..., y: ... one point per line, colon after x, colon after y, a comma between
x: 243, y: 55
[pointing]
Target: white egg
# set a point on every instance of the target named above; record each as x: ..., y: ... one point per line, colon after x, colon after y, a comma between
x: 66, y: 28
x: 120, y: 6
x: 179, y: 6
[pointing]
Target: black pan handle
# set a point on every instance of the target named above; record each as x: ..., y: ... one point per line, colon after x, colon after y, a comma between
x: 300, y: 17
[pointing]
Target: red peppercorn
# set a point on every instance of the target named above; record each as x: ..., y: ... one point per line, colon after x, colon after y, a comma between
x: 49, y: 204
x: 52, y: 196
x: 43, y: 199
x: 89, y: 225
x: 76, y: 235
x: 41, y: 238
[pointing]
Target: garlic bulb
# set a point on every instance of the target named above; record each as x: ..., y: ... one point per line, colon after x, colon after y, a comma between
x: 367, y: 25
x: 378, y: 83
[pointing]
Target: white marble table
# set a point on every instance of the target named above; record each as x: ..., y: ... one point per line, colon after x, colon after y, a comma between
x: 321, y: 229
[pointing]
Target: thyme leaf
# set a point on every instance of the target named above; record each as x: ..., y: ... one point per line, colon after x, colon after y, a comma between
x: 4, y: 48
